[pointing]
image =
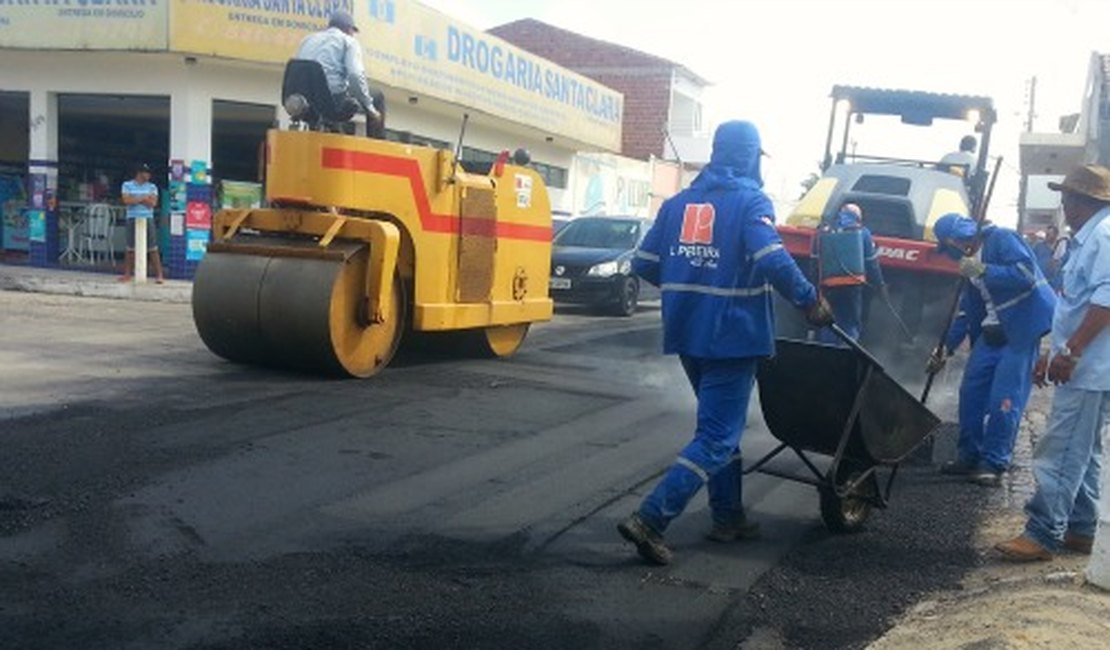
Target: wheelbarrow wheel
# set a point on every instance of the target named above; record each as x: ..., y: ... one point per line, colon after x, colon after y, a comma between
x: 847, y: 514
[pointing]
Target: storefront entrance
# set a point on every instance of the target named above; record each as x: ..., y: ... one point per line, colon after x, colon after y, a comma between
x: 100, y: 140
x: 14, y: 145
x: 238, y: 134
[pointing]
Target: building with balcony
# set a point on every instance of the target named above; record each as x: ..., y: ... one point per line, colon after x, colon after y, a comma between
x: 1081, y: 138
x: 190, y: 87
x: 661, y: 97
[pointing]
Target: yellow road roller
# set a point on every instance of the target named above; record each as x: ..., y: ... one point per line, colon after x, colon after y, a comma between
x: 366, y: 240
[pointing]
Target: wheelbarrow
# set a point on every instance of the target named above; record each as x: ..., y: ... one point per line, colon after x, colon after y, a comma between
x: 819, y: 399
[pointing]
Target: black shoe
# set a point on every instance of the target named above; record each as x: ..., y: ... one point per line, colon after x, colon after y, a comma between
x: 741, y: 530
x: 649, y: 544
x: 958, y: 468
x: 986, y: 477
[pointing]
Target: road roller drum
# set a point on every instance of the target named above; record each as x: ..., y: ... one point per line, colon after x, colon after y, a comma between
x: 296, y: 312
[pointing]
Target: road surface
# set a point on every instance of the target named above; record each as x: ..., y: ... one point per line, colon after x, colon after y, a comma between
x: 155, y: 496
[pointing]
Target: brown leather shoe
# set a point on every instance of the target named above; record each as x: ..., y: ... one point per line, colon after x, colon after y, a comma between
x: 1022, y: 549
x: 1078, y: 543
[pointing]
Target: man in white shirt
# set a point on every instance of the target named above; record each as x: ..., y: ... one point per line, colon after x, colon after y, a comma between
x: 962, y: 162
x: 337, y: 51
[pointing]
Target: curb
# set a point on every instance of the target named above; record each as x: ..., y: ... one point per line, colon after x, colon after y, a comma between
x: 65, y: 283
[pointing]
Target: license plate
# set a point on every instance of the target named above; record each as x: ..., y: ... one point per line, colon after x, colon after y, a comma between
x: 560, y: 283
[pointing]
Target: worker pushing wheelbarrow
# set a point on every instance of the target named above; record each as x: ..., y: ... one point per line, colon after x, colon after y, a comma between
x: 853, y: 412
x: 857, y: 414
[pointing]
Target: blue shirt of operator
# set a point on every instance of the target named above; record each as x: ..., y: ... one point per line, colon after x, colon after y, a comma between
x: 138, y: 210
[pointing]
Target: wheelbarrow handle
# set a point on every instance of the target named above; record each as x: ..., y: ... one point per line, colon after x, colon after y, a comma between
x: 854, y: 344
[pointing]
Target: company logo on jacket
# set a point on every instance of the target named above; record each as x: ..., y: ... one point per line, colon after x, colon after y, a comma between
x: 695, y: 241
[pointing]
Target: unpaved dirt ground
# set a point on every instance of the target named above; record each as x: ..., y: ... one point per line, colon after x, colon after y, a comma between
x: 1001, y: 605
x: 1004, y: 605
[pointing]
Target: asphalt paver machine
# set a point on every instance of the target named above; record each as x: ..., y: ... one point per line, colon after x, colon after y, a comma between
x: 901, y: 198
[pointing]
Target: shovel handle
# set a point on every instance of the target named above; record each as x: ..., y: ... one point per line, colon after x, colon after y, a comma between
x: 854, y: 344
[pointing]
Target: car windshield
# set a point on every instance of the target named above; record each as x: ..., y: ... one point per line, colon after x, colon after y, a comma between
x: 600, y: 233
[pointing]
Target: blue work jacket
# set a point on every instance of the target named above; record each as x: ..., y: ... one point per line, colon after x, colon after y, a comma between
x: 871, y: 259
x: 1022, y: 297
x: 715, y: 255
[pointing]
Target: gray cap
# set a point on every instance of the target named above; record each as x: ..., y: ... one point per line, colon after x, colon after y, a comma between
x: 343, y: 21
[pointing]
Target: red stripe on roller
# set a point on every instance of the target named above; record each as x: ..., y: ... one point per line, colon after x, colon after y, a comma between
x: 361, y: 161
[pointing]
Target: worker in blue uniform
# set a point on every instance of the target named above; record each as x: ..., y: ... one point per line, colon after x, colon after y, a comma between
x: 715, y: 255
x: 1005, y: 309
x: 848, y: 263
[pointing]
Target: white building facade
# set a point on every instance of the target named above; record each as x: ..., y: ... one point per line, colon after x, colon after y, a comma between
x: 89, y: 87
x: 1081, y: 139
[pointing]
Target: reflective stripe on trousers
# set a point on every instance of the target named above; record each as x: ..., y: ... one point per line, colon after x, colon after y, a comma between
x: 723, y: 388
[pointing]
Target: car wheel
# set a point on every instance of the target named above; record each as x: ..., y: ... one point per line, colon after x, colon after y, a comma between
x: 628, y: 297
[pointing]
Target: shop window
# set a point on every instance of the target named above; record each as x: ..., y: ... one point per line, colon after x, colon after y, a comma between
x: 480, y: 161
x: 14, y: 128
x: 553, y: 176
x: 238, y: 133
x: 685, y: 116
x: 477, y: 161
x: 407, y: 137
x: 101, y: 137
x: 14, y: 145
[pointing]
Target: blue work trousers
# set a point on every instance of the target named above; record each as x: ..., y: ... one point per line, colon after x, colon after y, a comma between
x: 847, y: 309
x: 1066, y: 464
x: 723, y: 388
x: 993, y: 394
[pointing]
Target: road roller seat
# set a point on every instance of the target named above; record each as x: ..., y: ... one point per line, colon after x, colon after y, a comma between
x: 307, y: 99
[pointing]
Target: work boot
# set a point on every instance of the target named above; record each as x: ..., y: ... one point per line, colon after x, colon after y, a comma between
x: 957, y: 468
x: 986, y: 477
x: 1023, y: 549
x: 733, y: 532
x: 1078, y: 543
x: 649, y: 544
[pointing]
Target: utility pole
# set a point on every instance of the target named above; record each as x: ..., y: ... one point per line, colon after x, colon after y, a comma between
x: 1032, y: 105
x: 1024, y: 186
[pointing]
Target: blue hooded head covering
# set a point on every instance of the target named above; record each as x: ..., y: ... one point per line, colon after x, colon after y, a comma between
x: 735, y: 159
x: 954, y: 226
